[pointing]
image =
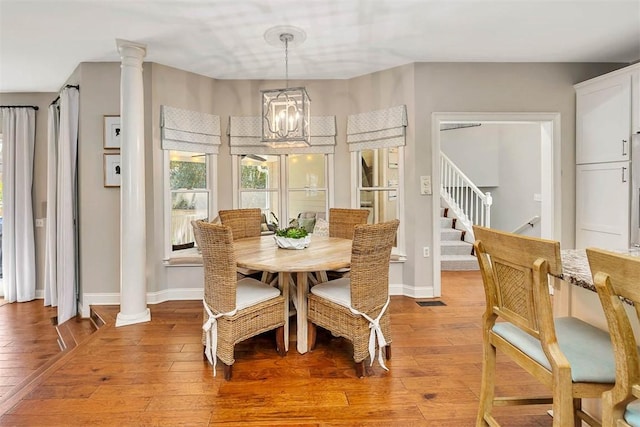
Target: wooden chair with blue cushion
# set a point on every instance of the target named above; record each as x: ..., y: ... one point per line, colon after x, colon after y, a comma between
x: 571, y: 357
x: 617, y: 278
x: 235, y: 310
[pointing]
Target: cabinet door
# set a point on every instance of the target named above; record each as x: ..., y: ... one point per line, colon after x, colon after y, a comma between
x: 635, y: 97
x: 602, y: 205
x: 603, y: 120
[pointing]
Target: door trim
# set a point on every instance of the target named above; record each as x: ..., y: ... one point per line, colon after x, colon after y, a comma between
x: 550, y: 159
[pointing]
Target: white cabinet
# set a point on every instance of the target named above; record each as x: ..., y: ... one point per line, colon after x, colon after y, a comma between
x: 635, y: 98
x: 603, y: 119
x: 602, y: 205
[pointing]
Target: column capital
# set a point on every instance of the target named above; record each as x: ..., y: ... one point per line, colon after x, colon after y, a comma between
x: 128, y: 48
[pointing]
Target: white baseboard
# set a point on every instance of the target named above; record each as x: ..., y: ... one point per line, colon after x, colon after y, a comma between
x: 186, y: 294
x: 411, y: 291
x: 152, y: 298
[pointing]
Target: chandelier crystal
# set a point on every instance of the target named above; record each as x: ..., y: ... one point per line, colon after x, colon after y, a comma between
x: 286, y: 112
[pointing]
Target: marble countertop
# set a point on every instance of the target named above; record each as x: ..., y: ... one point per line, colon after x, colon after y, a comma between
x: 575, y: 268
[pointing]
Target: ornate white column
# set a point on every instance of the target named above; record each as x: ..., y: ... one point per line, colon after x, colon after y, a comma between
x: 133, y: 286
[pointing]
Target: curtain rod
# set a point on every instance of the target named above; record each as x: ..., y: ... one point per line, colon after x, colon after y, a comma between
x: 35, y: 107
x: 66, y: 87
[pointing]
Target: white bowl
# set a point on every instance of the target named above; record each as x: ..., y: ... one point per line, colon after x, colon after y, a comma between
x: 289, y: 243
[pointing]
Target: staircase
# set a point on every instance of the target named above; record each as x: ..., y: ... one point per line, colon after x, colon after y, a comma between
x: 455, y: 253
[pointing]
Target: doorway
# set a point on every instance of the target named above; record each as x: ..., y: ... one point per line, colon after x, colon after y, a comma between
x: 550, y: 170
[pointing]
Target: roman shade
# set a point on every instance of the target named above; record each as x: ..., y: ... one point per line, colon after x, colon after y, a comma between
x: 245, y: 137
x: 377, y: 129
x: 192, y: 131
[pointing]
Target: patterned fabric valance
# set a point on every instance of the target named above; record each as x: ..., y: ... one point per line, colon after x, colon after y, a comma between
x: 377, y: 129
x: 245, y: 137
x: 185, y: 130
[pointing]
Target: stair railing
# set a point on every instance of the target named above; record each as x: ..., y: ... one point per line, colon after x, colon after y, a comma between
x: 470, y: 205
x: 527, y: 225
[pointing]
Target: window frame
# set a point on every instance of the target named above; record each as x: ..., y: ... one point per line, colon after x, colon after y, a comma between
x: 211, y: 161
x: 356, y: 184
x: 284, y: 190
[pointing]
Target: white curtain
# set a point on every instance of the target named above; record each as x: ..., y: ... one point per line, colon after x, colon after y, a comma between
x: 61, y: 240
x: 18, y: 244
x: 50, y: 282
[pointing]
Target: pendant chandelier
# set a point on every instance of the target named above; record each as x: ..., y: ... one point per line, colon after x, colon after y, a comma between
x: 285, y: 112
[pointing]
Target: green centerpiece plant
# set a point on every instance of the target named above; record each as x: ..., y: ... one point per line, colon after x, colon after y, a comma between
x: 292, y: 238
x: 292, y: 232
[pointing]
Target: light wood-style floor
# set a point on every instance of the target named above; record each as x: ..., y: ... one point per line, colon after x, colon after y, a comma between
x: 154, y: 373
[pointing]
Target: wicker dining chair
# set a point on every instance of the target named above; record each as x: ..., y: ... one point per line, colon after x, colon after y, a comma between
x: 342, y: 221
x: 341, y: 224
x: 244, y: 223
x: 356, y: 307
x: 616, y: 278
x: 235, y: 310
x: 571, y: 357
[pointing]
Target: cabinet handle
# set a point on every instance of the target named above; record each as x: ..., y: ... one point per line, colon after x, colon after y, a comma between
x: 624, y: 179
x: 624, y: 150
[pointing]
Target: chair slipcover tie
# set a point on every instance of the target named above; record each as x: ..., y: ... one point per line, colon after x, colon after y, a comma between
x: 211, y: 333
x: 376, y: 334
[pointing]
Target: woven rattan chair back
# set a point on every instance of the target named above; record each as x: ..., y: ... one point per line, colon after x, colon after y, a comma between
x: 513, y: 289
x: 343, y: 221
x: 243, y: 222
x: 616, y: 279
x: 370, y: 255
x: 219, y: 261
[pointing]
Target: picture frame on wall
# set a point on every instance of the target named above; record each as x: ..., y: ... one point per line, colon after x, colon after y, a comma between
x: 112, y: 177
x: 112, y: 132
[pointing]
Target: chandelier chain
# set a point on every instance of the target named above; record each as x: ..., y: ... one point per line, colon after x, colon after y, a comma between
x: 286, y: 38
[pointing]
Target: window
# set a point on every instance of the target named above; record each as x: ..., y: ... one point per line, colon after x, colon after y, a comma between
x: 304, y: 190
x: 190, y: 141
x: 378, y: 183
x: 307, y: 188
x: 189, y: 193
x: 283, y: 185
x: 376, y: 140
x: 260, y: 183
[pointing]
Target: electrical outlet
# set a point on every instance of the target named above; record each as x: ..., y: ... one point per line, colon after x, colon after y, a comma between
x: 39, y: 222
x: 425, y: 252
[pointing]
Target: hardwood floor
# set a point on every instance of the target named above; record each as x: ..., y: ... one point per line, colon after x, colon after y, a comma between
x: 154, y: 374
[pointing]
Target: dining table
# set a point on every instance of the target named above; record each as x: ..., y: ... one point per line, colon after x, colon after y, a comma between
x: 323, y: 254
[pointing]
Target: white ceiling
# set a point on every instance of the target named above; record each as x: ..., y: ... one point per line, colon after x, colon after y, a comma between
x: 42, y: 41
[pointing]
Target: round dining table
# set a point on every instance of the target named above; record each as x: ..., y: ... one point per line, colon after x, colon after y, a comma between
x: 323, y: 253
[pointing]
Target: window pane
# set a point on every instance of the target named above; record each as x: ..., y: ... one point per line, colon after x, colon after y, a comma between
x: 187, y: 206
x: 306, y: 201
x: 306, y: 171
x: 259, y: 172
x: 187, y: 170
x: 265, y: 200
x: 382, y: 205
x: 369, y: 164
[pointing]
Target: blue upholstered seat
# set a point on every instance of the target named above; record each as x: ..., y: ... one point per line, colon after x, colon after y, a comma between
x: 587, y: 348
x: 632, y: 413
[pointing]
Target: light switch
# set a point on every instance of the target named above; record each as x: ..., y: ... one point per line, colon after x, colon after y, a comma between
x: 425, y: 184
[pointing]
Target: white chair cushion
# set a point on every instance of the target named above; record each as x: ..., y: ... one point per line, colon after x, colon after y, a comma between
x: 337, y: 291
x: 587, y: 348
x: 251, y: 292
x: 321, y: 228
x: 632, y: 413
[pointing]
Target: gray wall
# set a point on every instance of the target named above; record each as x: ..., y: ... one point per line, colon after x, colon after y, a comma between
x: 425, y: 88
x: 504, y: 159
